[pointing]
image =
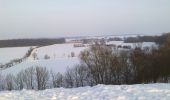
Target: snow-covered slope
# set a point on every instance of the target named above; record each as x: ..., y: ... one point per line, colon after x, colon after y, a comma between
x: 99, y: 92
x: 7, y: 54
x: 56, y: 65
x: 64, y: 50
x: 59, y: 57
x: 58, y: 51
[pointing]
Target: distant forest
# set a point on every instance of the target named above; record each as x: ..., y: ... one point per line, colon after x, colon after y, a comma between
x: 157, y: 39
x: 29, y: 42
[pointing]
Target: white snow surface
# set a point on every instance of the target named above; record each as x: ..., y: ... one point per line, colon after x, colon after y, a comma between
x: 100, y: 92
x: 55, y: 65
x: 58, y: 51
x: 7, y: 54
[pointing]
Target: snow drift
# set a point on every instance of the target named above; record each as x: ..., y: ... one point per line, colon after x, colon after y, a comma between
x: 99, y: 92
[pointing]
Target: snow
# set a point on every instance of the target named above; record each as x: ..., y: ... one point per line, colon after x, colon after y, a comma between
x: 56, y: 65
x: 99, y: 92
x: 7, y: 54
x: 58, y: 50
x: 59, y: 60
x: 149, y: 44
x: 59, y: 57
x: 133, y: 45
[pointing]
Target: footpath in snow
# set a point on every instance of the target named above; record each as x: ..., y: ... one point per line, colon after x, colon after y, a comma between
x: 99, y: 92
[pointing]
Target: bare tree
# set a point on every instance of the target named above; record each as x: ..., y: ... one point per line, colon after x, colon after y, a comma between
x: 42, y: 77
x: 101, y: 62
x: 29, y: 78
x: 126, y: 69
x: 2, y: 82
x: 80, y: 75
x: 35, y: 56
x: 46, y: 57
x: 57, y: 80
x: 19, y: 80
x: 69, y: 78
x: 72, y: 54
x: 9, y: 81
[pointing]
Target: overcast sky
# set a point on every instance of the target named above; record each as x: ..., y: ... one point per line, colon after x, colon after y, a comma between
x: 52, y: 18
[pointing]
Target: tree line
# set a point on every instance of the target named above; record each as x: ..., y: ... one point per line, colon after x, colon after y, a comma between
x: 157, y: 39
x: 29, y: 42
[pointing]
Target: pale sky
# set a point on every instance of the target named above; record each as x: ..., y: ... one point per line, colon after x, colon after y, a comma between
x: 53, y: 18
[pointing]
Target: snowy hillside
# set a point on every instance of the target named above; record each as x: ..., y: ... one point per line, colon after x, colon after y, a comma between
x: 99, y: 92
x: 58, y: 51
x: 65, y: 50
x: 60, y: 56
x: 56, y: 65
x: 7, y: 54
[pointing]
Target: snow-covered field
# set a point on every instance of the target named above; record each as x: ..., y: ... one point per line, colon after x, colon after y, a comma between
x: 64, y: 50
x: 54, y: 51
x: 60, y: 59
x: 133, y: 45
x: 58, y: 51
x: 60, y: 56
x: 7, y: 54
x: 55, y: 65
x: 99, y: 92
